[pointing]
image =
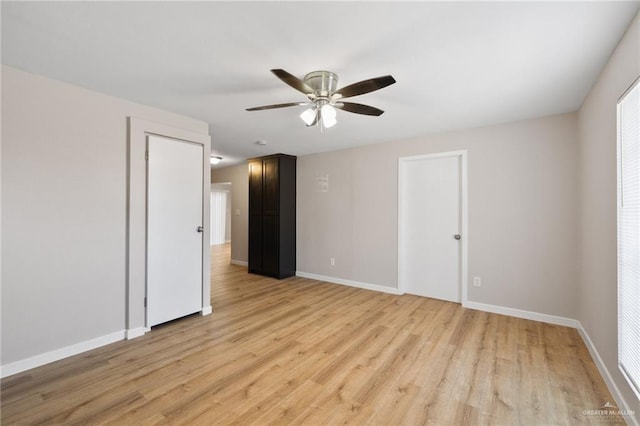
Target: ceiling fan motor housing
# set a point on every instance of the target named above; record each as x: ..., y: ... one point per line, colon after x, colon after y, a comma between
x: 324, y: 83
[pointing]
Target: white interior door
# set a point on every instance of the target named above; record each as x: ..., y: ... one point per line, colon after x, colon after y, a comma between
x: 174, y: 233
x: 218, y: 217
x: 430, y: 202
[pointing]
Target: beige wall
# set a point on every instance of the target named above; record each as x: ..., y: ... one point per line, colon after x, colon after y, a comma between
x: 522, y: 212
x: 64, y: 194
x: 597, y: 295
x: 239, y: 178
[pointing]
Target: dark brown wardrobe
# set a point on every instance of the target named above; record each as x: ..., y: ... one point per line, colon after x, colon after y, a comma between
x: 272, y: 215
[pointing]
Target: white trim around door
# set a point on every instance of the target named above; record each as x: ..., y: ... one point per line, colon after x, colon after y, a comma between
x: 136, y: 254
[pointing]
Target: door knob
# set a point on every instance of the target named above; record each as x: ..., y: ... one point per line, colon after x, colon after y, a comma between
x: 457, y: 236
x: 200, y: 229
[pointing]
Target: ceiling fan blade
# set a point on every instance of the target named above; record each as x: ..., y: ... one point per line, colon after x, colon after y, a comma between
x: 365, y: 86
x: 293, y: 81
x: 359, y: 108
x: 274, y: 106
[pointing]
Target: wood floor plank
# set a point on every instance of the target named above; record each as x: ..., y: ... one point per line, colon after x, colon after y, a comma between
x: 300, y: 351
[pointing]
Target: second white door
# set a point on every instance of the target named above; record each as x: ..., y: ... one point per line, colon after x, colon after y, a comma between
x: 218, y: 217
x: 430, y: 202
x: 174, y: 229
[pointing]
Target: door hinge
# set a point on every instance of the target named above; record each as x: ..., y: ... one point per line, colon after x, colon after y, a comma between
x: 146, y: 155
x: 145, y: 302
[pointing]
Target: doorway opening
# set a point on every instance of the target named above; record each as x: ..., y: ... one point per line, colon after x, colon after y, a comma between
x: 220, y: 238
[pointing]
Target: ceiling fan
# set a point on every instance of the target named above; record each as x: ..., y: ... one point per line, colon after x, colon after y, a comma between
x: 324, y: 97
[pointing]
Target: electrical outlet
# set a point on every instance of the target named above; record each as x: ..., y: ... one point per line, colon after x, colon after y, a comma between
x: 477, y: 282
x: 332, y: 261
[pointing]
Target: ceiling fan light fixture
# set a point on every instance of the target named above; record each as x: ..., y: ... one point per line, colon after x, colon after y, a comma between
x: 309, y: 116
x: 328, y: 114
x: 321, y: 89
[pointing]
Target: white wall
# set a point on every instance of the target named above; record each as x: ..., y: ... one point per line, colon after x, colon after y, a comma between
x: 239, y: 178
x: 522, y: 212
x: 597, y: 296
x: 64, y: 183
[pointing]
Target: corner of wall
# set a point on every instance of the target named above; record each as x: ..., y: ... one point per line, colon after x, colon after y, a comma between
x: 597, y: 220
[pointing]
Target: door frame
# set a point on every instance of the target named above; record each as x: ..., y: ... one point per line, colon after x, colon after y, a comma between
x: 136, y: 249
x: 464, y: 229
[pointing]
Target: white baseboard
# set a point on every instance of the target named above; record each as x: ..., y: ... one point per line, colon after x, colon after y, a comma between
x: 58, y: 354
x: 606, y: 375
x: 519, y: 313
x: 206, y: 310
x: 239, y: 262
x: 350, y: 283
x: 132, y: 333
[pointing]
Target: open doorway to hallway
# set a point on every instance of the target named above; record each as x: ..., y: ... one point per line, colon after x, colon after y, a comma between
x: 220, y: 223
x: 220, y: 213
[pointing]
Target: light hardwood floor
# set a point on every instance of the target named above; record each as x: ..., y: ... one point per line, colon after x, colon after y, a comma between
x: 300, y: 351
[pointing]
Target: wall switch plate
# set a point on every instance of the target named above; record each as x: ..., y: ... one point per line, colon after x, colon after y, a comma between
x: 332, y: 261
x: 477, y: 281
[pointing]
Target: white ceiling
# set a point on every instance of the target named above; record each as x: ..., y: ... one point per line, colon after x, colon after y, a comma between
x: 457, y: 65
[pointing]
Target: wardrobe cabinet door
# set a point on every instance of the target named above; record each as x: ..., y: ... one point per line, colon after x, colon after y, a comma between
x: 255, y: 243
x: 271, y: 187
x: 270, y: 246
x: 255, y: 188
